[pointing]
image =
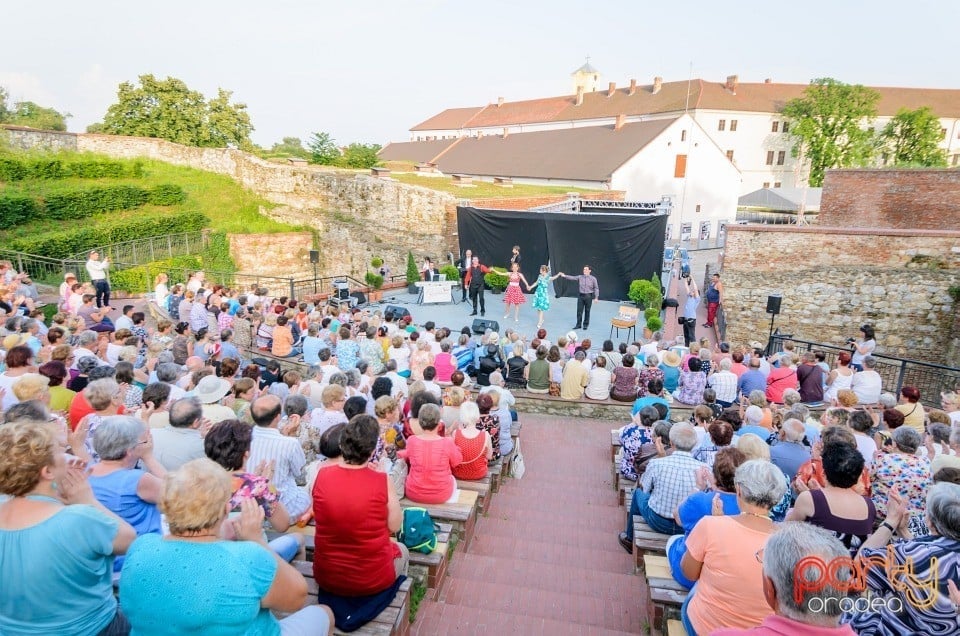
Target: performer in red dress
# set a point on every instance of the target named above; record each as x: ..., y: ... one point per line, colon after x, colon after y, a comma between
x: 514, y: 295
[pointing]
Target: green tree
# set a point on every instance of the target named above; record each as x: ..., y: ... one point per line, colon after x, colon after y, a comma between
x: 323, y: 149
x: 912, y: 138
x: 30, y: 114
x: 827, y: 124
x: 360, y: 156
x: 4, y: 109
x: 291, y: 147
x: 168, y: 109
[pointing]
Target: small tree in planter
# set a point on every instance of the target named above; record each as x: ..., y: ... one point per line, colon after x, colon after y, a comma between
x: 451, y: 272
x: 413, y: 274
x: 376, y: 262
x: 650, y: 313
x: 374, y: 280
x: 653, y: 324
x: 497, y: 278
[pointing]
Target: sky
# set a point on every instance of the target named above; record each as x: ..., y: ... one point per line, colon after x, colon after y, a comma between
x: 367, y: 71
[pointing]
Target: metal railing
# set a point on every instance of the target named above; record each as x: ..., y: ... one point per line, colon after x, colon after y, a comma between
x: 151, y: 248
x: 930, y: 378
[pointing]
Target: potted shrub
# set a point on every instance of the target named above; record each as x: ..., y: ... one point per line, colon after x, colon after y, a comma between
x: 646, y: 294
x: 650, y: 313
x: 413, y: 274
x: 374, y: 282
x: 376, y: 263
x: 653, y: 324
x: 451, y: 272
x: 497, y: 279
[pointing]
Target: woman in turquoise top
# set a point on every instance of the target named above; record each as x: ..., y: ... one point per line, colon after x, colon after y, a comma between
x: 56, y: 540
x: 121, y: 441
x: 541, y: 297
x: 196, y: 580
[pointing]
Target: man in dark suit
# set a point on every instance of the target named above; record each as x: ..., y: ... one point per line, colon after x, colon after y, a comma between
x: 475, y: 282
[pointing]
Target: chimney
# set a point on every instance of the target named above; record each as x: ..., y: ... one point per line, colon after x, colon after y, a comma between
x: 611, y: 89
x: 768, y: 81
x: 579, y: 95
x: 633, y: 87
x: 621, y: 120
x: 731, y: 84
x: 657, y: 84
x: 499, y: 102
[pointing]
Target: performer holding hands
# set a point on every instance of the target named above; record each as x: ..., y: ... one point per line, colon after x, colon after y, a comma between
x: 514, y: 295
x: 541, y: 297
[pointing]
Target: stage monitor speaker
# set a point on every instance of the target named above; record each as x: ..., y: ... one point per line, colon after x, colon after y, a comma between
x: 773, y: 304
x: 480, y: 325
x: 314, y: 256
x: 396, y: 311
x: 361, y: 298
x: 669, y: 303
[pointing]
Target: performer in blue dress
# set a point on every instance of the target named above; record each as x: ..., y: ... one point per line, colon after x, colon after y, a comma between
x: 541, y: 298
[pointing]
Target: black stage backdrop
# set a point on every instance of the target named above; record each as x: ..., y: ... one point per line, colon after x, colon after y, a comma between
x: 491, y: 234
x: 619, y: 247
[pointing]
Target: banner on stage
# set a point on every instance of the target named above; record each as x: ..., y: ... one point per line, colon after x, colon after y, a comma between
x: 436, y: 291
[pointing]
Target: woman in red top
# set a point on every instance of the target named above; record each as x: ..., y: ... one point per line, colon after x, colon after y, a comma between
x: 474, y: 443
x: 357, y: 510
x: 444, y: 362
x: 431, y: 459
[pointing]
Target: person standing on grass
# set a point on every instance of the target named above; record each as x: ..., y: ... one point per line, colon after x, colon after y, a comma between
x: 97, y: 270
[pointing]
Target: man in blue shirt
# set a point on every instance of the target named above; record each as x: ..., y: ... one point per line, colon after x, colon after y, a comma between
x: 690, y: 306
x: 752, y: 379
x: 789, y: 453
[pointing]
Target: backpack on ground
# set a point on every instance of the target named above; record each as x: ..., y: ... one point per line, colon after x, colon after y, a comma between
x: 418, y: 532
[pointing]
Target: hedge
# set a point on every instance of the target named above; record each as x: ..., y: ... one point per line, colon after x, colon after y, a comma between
x: 21, y: 168
x: 63, y: 243
x: 140, y: 278
x: 85, y: 202
x: 14, y: 210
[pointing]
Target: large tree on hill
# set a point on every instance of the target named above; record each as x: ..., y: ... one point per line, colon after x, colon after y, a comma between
x: 30, y: 114
x: 168, y: 109
x: 912, y: 138
x: 828, y: 125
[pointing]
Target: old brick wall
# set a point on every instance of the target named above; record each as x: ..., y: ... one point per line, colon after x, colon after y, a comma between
x: 23, y: 138
x: 268, y: 254
x: 835, y: 279
x: 925, y: 199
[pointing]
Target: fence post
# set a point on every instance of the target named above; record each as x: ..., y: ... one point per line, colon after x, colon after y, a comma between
x: 152, y: 257
x: 292, y: 290
x: 169, y: 247
x: 900, y: 376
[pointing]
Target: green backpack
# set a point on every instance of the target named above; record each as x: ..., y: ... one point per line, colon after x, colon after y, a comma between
x: 418, y: 532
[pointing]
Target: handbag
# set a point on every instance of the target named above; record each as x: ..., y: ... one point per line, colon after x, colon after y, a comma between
x: 517, y: 467
x: 418, y: 532
x: 396, y: 470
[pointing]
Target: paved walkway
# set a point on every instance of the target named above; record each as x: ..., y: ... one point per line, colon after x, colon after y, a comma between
x: 546, y: 559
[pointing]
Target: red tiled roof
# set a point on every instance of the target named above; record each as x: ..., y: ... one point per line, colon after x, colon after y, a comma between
x: 450, y: 119
x: 672, y: 98
x: 416, y: 151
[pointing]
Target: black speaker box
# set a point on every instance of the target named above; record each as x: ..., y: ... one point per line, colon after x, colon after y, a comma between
x: 773, y: 304
x: 361, y: 298
x: 396, y: 311
x: 314, y: 256
x: 480, y: 325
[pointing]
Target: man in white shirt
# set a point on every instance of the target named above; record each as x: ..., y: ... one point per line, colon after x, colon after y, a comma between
x: 651, y: 348
x: 124, y: 321
x: 867, y: 384
x: 181, y: 441
x: 429, y: 385
x: 210, y: 390
x: 97, y: 270
x: 724, y: 382
x: 398, y: 381
x: 285, y: 453
x: 167, y: 373
x: 86, y: 348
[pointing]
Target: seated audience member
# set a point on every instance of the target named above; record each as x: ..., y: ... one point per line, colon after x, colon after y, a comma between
x: 811, y: 475
x: 665, y: 483
x: 502, y: 410
x: 721, y: 434
x: 634, y: 437
x: 780, y: 379
x: 69, y: 560
x: 723, y: 549
x: 444, y: 363
x: 419, y: 398
x: 599, y: 381
x: 453, y: 398
x: 861, y: 423
x: 60, y: 396
x: 701, y: 504
x: 490, y: 422
x: 432, y: 458
x: 900, y: 471
x: 649, y: 372
x: 517, y: 367
x: 934, y: 559
x: 794, y: 609
x: 193, y: 597
x: 283, y: 453
x: 179, y: 442
x: 867, y: 384
x: 357, y: 565
x: 810, y: 377
x: 654, y: 395
x: 473, y: 443
x: 538, y: 372
x: 909, y: 405
x: 753, y: 379
x: 624, y: 380
x: 670, y: 365
x: 838, y: 507
x: 724, y: 382
x: 692, y: 383
x: 131, y: 493
x: 789, y: 453
x: 210, y: 390
x: 575, y: 377
x: 228, y: 444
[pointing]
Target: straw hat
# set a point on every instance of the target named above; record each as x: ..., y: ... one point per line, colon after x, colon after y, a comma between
x: 671, y: 359
x: 14, y: 340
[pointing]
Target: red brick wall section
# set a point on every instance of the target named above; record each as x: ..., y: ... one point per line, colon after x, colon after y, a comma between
x: 927, y: 199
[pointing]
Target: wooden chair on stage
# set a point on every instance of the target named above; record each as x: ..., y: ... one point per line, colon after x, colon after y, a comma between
x: 625, y: 319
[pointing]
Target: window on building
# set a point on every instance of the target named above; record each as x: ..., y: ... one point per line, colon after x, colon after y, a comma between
x: 680, y: 167
x: 786, y: 126
x: 769, y: 157
x: 698, y: 208
x: 776, y: 184
x: 781, y: 157
x: 733, y: 125
x: 776, y: 127
x: 766, y: 184
x: 722, y: 124
x: 730, y: 155
x: 683, y: 135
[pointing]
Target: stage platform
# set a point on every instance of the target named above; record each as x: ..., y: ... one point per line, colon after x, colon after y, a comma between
x: 559, y: 319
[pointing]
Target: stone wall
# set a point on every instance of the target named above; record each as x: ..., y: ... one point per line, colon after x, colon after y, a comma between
x: 835, y: 279
x: 23, y: 138
x: 267, y: 254
x: 924, y: 199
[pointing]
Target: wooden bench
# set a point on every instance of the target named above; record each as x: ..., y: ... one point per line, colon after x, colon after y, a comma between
x: 646, y: 541
x: 462, y: 514
x: 666, y: 594
x: 483, y: 488
x: 393, y: 621
x: 462, y: 180
x: 675, y: 628
x: 625, y: 489
x: 434, y: 564
x: 495, y: 471
x: 505, y: 182
x: 615, y: 443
